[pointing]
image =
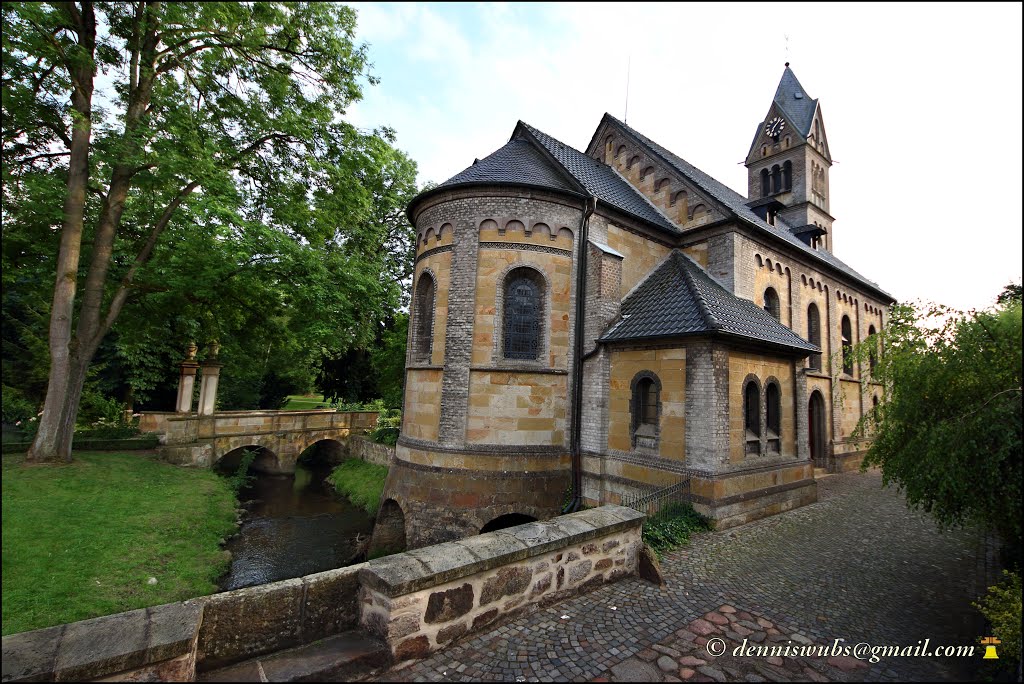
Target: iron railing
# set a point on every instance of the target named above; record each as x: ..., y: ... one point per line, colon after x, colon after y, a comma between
x: 657, y: 503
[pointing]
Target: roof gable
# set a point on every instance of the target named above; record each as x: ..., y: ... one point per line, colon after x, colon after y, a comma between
x: 736, y: 204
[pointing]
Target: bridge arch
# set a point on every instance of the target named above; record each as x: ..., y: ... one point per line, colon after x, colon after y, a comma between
x: 325, y: 450
x: 266, y: 461
x: 507, y: 520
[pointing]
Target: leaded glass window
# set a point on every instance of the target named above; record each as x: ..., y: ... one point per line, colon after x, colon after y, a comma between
x: 523, y: 315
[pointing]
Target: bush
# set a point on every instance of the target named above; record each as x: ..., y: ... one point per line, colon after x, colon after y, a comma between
x: 389, y: 425
x: 361, y: 482
x: 16, y: 408
x: 1001, y: 606
x: 672, y: 526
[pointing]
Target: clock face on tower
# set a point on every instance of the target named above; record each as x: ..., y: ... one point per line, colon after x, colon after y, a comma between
x: 774, y: 127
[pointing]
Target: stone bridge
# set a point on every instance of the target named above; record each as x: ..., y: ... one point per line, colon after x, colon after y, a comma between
x: 278, y: 436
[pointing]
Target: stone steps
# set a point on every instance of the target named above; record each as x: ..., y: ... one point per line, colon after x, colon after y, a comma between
x: 342, y: 657
x: 820, y: 473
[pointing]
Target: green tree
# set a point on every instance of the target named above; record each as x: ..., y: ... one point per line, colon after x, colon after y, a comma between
x: 191, y: 167
x: 949, y: 432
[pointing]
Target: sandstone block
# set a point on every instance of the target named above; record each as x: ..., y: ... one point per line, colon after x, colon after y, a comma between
x: 443, y: 606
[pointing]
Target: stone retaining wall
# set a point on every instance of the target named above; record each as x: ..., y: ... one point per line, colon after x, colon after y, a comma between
x: 421, y: 600
x: 416, y: 602
x: 367, y: 450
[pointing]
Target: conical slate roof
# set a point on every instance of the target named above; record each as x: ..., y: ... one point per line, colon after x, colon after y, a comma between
x: 534, y: 158
x: 602, y: 181
x: 518, y: 162
x: 795, y: 103
x: 679, y: 299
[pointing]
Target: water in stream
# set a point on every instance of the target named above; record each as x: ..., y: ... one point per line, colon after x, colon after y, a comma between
x: 296, y: 526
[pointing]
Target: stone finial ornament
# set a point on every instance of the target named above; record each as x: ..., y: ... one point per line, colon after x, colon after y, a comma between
x: 190, y: 351
x: 213, y: 348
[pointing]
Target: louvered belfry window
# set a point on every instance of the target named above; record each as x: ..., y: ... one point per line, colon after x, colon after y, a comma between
x: 522, y: 316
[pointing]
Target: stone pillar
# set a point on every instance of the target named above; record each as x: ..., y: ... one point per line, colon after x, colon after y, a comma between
x: 187, y: 379
x: 208, y: 388
x: 186, y: 383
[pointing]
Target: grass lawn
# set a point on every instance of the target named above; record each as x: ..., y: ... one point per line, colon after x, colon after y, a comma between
x: 81, y: 540
x: 305, y: 402
x: 361, y: 482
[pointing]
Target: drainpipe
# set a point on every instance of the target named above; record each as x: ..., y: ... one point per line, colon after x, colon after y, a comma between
x: 577, y: 359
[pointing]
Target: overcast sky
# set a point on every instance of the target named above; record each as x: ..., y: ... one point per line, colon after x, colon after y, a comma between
x: 921, y: 103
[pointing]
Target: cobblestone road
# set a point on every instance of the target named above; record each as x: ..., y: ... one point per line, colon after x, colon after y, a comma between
x: 857, y: 565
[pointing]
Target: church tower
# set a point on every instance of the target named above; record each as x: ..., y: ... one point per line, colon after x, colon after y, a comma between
x: 788, y: 164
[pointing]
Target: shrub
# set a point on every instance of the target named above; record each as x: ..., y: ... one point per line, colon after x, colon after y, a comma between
x: 242, y: 478
x: 16, y: 408
x: 672, y: 526
x: 1001, y: 606
x: 389, y: 425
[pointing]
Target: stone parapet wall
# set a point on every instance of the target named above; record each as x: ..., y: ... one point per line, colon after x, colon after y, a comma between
x: 149, y: 644
x: 419, y: 601
x: 408, y: 600
x: 244, y: 623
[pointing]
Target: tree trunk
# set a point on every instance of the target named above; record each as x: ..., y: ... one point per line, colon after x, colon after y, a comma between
x: 57, y: 424
x: 67, y: 371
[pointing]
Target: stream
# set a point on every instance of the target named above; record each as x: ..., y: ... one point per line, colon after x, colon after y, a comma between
x: 294, y: 526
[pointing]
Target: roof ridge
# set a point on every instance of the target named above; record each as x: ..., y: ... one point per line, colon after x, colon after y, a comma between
x: 547, y: 154
x: 650, y: 274
x: 698, y: 296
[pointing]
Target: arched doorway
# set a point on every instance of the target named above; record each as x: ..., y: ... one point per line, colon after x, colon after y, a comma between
x: 816, y: 432
x: 507, y: 520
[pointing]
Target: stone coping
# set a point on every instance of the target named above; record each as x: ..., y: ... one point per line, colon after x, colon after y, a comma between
x: 99, y: 647
x: 404, y: 573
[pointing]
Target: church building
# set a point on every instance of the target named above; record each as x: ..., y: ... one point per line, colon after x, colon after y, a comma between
x: 590, y: 326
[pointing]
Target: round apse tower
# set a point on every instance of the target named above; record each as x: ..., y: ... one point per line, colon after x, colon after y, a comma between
x: 485, y: 438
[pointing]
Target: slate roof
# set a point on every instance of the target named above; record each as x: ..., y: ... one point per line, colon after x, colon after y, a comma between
x: 737, y: 204
x: 518, y: 162
x: 795, y: 102
x: 534, y: 158
x: 680, y: 299
x: 602, y: 181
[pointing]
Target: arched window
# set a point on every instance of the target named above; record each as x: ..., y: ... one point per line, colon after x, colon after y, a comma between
x: 523, y: 314
x: 771, y: 304
x: 872, y: 349
x: 423, y: 332
x: 776, y: 179
x: 773, y: 401
x: 752, y: 417
x: 645, y: 407
x: 787, y: 176
x: 847, y: 343
x: 814, y: 334
x: 765, y: 183
x: 618, y: 152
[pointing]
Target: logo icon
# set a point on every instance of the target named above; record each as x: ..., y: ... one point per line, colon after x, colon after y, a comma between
x: 990, y: 643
